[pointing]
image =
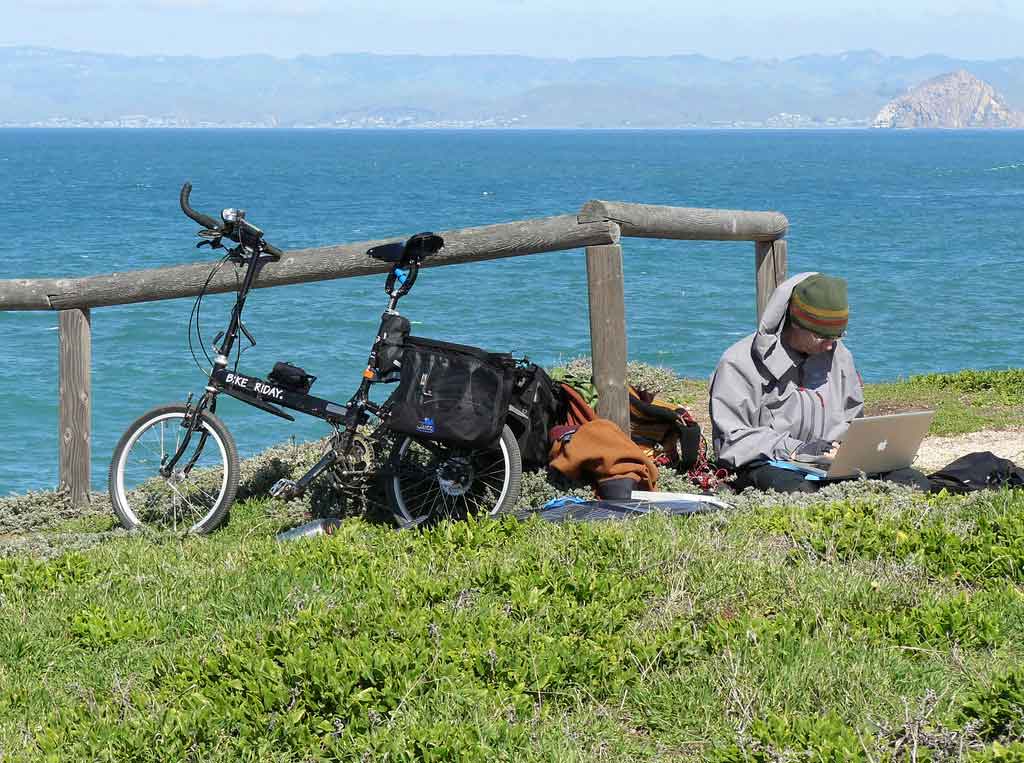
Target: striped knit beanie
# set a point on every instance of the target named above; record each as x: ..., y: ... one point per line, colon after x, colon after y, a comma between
x: 818, y: 304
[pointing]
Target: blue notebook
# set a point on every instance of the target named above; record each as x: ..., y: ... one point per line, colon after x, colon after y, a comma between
x: 794, y: 467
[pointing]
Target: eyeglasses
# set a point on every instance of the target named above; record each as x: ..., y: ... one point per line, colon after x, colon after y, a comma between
x: 821, y: 338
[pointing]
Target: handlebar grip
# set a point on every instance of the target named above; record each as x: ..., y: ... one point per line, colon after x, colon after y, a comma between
x: 271, y: 249
x: 205, y: 220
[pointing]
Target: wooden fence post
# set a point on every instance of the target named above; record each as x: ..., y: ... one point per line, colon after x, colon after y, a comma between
x: 769, y: 270
x: 608, y: 332
x: 75, y: 338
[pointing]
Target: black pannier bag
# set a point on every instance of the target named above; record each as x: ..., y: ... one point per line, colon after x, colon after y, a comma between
x: 291, y: 377
x: 394, y: 329
x: 537, y: 405
x: 451, y: 393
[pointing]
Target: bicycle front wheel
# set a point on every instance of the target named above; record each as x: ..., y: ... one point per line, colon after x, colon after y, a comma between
x: 430, y: 482
x: 196, y: 495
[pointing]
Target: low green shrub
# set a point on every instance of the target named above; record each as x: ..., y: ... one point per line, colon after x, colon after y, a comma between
x: 998, y: 708
x: 24, y: 574
x: 1008, y: 384
x: 973, y: 539
x: 97, y: 628
x: 824, y: 739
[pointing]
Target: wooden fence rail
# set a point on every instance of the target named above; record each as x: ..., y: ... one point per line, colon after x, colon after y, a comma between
x: 597, y: 227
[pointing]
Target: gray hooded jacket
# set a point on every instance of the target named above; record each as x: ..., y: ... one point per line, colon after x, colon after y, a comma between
x: 767, y: 399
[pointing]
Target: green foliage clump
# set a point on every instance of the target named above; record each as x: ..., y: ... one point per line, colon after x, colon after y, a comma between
x: 975, y: 539
x: 999, y: 753
x: 96, y: 628
x: 578, y: 374
x: 1007, y: 384
x: 998, y: 709
x: 783, y: 738
x: 26, y: 575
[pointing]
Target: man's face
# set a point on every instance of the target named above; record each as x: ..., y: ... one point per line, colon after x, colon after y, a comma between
x: 807, y: 342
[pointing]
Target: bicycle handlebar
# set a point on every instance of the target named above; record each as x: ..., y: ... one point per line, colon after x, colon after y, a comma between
x: 205, y: 220
x: 240, y: 231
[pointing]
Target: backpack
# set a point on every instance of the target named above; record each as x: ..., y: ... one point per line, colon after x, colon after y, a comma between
x: 977, y: 471
x: 536, y: 405
x: 666, y: 431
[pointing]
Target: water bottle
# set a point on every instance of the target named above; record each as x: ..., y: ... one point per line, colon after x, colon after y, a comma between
x: 325, y: 526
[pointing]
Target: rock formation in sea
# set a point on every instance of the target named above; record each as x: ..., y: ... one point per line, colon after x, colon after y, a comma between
x: 954, y: 100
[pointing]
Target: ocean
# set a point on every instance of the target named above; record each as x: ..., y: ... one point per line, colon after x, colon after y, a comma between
x: 925, y: 225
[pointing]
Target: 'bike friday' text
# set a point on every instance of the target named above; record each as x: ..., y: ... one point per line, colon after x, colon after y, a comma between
x: 259, y: 387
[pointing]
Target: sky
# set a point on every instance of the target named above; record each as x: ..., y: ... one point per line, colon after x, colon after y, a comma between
x: 726, y: 29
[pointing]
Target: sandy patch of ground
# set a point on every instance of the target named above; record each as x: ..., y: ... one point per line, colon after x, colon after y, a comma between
x: 936, y: 452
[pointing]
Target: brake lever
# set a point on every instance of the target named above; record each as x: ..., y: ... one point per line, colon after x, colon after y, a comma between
x: 210, y: 238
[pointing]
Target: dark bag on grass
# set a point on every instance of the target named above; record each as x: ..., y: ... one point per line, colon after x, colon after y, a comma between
x: 537, y: 405
x: 977, y: 471
x: 665, y: 430
x: 451, y: 393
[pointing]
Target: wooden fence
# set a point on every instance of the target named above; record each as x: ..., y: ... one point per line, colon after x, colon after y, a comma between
x: 598, y: 228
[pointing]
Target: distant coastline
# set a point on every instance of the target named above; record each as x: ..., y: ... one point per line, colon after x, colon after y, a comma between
x: 65, y: 89
x: 782, y: 122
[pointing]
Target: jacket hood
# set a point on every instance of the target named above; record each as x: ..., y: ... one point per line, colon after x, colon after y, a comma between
x: 767, y: 346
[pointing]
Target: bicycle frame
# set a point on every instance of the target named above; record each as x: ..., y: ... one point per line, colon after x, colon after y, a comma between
x: 267, y: 396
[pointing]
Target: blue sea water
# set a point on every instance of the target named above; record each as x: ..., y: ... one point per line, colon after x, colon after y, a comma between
x: 926, y: 226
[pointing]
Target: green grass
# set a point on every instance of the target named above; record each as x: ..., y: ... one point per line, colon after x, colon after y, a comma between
x: 832, y: 627
x: 863, y: 623
x: 966, y: 401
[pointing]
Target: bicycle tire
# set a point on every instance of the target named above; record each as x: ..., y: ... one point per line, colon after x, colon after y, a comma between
x: 429, y: 482
x: 199, y: 496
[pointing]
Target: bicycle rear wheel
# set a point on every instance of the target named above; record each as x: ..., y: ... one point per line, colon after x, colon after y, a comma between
x: 196, y: 495
x: 429, y: 481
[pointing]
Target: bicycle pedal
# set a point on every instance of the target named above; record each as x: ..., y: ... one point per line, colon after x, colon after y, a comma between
x: 285, y: 489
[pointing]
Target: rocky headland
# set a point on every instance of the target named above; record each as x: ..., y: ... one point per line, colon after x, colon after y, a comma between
x: 954, y: 100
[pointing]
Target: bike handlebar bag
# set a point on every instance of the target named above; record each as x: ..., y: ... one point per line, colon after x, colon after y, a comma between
x: 451, y: 393
x: 291, y: 377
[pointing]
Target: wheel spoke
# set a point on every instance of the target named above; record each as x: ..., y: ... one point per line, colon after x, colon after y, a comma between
x: 430, y: 481
x: 182, y: 501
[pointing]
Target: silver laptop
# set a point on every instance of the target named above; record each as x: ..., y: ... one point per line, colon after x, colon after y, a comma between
x: 874, y: 444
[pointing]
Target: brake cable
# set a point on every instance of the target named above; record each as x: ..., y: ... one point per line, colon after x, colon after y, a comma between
x: 196, y: 306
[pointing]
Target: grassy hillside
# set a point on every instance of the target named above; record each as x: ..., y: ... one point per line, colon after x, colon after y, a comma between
x: 863, y: 623
x: 848, y: 627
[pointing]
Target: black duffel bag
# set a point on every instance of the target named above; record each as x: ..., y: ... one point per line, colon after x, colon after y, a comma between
x: 451, y: 393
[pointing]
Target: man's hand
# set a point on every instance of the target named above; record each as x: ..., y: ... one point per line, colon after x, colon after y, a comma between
x: 813, y: 448
x: 815, y: 451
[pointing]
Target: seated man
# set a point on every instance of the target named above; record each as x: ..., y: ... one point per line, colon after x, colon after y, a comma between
x: 789, y: 388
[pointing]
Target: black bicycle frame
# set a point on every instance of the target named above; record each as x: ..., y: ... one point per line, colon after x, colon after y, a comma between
x: 267, y: 396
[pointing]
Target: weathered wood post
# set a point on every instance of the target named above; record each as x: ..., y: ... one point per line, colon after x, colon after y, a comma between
x: 75, y: 418
x: 769, y: 270
x: 608, y: 332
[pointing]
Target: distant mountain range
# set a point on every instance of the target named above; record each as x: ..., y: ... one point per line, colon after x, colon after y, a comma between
x: 53, y: 87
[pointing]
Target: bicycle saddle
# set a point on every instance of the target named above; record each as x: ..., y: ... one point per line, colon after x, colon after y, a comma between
x: 417, y: 248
